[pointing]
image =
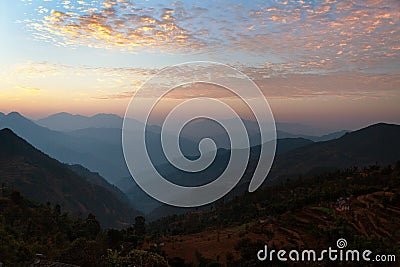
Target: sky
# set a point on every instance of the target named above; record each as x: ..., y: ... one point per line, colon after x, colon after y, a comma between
x: 327, y: 63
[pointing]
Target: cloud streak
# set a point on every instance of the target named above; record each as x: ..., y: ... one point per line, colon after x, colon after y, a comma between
x: 29, y: 89
x: 275, y: 81
x: 350, y: 85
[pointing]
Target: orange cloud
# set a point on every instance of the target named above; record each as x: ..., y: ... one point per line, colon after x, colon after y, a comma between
x: 109, y: 27
x: 332, y: 35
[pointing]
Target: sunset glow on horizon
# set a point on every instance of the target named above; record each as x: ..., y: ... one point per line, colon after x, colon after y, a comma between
x: 329, y: 63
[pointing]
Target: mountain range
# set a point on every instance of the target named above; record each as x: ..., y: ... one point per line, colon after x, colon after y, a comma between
x: 103, y: 157
x: 375, y: 144
x: 65, y: 122
x: 43, y: 179
x: 95, y: 143
x: 98, y: 149
x: 378, y: 143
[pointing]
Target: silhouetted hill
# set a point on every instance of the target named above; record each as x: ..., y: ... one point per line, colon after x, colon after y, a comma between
x: 95, y: 178
x: 43, y: 179
x: 98, y: 149
x: 326, y: 137
x: 201, y: 128
x: 378, y: 143
x: 330, y: 136
x: 288, y: 144
x: 211, y: 173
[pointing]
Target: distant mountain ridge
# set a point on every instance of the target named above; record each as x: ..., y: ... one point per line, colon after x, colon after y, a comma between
x: 68, y: 122
x: 326, y: 137
x: 43, y: 179
x: 302, y: 129
x: 98, y: 149
x: 378, y: 143
x: 151, y: 206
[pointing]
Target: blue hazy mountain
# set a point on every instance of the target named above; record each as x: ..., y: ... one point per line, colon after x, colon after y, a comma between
x: 113, y: 136
x: 68, y: 122
x: 201, y: 128
x: 98, y: 149
x: 135, y: 194
x: 198, y: 128
x: 95, y: 143
x: 105, y: 158
x: 302, y: 129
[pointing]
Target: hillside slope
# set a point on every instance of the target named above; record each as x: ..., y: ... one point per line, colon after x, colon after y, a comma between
x: 359, y: 205
x: 378, y: 143
x: 43, y: 179
x: 97, y: 155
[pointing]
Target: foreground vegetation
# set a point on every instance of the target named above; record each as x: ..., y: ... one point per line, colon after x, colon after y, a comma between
x: 29, y: 230
x: 361, y: 205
